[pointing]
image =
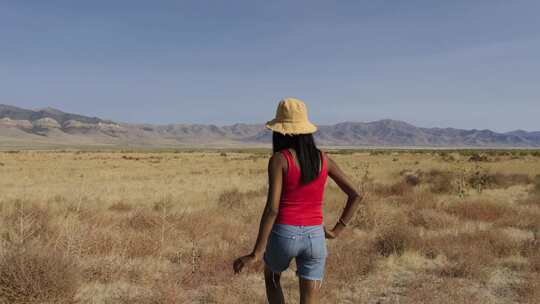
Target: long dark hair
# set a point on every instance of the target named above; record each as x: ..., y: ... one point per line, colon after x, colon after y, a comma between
x: 307, y: 152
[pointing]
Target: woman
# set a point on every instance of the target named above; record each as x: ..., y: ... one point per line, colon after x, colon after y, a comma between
x: 292, y: 222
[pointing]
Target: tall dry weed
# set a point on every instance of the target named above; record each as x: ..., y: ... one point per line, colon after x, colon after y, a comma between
x: 27, y: 222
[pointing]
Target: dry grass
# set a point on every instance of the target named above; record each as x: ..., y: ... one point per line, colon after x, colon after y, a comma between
x: 130, y: 227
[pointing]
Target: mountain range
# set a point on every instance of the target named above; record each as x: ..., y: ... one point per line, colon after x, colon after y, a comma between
x: 53, y: 127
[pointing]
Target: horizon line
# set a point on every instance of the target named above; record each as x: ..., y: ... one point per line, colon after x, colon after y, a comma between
x: 262, y: 123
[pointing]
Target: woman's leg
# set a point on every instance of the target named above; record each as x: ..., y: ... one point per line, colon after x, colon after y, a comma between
x: 309, y: 291
x: 274, y: 294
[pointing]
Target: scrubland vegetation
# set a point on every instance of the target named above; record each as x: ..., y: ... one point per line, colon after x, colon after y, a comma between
x: 134, y: 227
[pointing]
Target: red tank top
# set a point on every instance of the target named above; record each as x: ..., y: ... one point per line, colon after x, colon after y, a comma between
x: 301, y: 204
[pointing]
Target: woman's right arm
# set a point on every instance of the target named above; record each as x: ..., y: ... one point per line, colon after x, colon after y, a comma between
x: 353, y: 197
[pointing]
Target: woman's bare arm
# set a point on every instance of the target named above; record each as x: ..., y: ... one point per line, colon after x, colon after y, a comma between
x: 353, y: 197
x: 275, y: 183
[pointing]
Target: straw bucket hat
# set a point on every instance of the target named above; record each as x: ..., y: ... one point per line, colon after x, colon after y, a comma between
x: 291, y: 118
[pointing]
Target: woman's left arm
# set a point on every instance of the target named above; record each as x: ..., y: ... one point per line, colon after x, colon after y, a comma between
x: 275, y: 183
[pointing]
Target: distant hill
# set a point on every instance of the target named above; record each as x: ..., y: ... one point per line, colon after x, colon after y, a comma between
x: 54, y: 127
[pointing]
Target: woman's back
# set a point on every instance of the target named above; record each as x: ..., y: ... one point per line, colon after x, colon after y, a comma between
x: 291, y: 225
x: 301, y: 204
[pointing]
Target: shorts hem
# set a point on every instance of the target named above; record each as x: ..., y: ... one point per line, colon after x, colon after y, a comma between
x: 306, y: 277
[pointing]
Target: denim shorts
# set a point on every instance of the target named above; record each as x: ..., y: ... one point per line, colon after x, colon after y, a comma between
x: 306, y: 244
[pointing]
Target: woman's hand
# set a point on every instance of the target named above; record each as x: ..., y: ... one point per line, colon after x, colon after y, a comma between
x: 329, y: 234
x: 247, y: 260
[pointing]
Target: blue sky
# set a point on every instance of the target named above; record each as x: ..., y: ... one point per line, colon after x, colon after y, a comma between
x: 465, y: 64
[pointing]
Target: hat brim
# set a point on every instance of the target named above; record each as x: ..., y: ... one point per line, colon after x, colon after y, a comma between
x: 291, y: 128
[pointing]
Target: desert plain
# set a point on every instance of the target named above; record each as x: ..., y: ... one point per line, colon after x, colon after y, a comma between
x: 126, y: 226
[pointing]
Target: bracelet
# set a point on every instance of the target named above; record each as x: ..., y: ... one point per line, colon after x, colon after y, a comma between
x: 342, y: 222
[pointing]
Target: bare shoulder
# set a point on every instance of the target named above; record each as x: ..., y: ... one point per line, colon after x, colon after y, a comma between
x: 333, y: 167
x: 329, y: 161
x: 276, y: 160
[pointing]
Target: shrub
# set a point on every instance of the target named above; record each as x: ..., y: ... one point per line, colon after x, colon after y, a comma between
x: 412, y: 179
x: 234, y: 198
x: 140, y: 244
x: 441, y: 182
x: 350, y: 257
x: 446, y: 156
x: 141, y: 221
x: 533, y: 197
x: 431, y: 219
x: 534, y: 260
x: 397, y: 189
x: 531, y: 250
x: 163, y: 205
x: 37, y: 275
x: 476, y: 157
x: 536, y: 188
x: 120, y: 206
x: 469, y: 254
x: 394, y: 240
x: 378, y: 152
x: 480, y: 210
x: 418, y: 200
x: 230, y: 198
x: 496, y: 180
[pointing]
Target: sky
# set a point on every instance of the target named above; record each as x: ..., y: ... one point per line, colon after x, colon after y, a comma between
x: 471, y: 64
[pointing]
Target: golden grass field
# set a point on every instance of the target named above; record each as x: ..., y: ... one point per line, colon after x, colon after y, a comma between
x: 164, y: 227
